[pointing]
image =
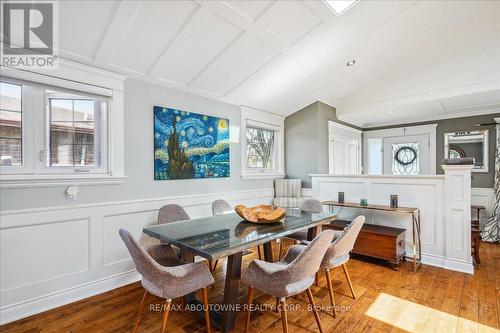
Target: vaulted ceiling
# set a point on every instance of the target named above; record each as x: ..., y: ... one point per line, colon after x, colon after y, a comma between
x: 414, y: 59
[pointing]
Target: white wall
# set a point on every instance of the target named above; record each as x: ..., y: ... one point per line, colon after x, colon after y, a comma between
x: 139, y: 101
x: 55, y: 251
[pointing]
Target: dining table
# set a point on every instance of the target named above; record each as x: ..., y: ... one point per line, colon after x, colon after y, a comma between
x: 228, y: 235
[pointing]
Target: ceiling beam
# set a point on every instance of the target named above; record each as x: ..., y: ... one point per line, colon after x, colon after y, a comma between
x: 122, y: 19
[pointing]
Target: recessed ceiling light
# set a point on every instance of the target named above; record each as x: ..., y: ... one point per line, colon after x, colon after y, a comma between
x: 339, y: 7
x: 351, y: 62
x: 389, y: 112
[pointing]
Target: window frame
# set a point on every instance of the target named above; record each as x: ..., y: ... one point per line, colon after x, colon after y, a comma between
x: 100, y: 131
x: 26, y: 137
x: 83, y: 80
x: 267, y: 121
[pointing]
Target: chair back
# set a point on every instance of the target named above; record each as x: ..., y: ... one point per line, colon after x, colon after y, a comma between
x: 288, y: 188
x: 345, y: 243
x: 312, y: 206
x: 172, y: 213
x: 144, y: 263
x: 307, y: 263
x: 220, y: 207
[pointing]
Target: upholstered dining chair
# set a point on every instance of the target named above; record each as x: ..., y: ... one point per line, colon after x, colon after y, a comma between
x: 288, y: 277
x: 220, y: 207
x: 163, y: 275
x: 173, y: 213
x: 338, y: 255
x: 287, y: 193
x: 309, y: 205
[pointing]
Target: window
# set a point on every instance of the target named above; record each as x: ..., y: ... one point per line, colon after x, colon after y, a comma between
x: 61, y: 129
x: 73, y: 127
x: 261, y: 144
x: 260, y: 148
x: 11, y: 137
x: 405, y: 159
x: 65, y: 131
x: 374, y: 156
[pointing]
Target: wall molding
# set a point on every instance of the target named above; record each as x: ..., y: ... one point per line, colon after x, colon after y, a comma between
x: 483, y: 197
x: 109, y: 265
x: 206, y: 198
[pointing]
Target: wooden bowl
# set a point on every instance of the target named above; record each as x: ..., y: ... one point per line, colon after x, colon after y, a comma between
x: 261, y: 214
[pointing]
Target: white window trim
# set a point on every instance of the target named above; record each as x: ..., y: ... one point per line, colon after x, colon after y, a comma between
x: 87, y: 79
x: 265, y: 120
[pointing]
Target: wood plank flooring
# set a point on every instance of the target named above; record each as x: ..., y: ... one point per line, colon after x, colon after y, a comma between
x: 430, y: 300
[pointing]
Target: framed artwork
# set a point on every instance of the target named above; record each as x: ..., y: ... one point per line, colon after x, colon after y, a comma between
x: 190, y: 145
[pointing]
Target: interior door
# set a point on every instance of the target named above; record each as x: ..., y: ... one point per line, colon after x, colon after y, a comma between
x: 338, y: 151
x: 344, y: 149
x: 407, y: 155
x: 345, y: 155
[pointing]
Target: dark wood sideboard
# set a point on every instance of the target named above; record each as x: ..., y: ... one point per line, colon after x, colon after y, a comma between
x: 377, y: 241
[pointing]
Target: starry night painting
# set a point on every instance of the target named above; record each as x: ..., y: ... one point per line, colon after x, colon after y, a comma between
x: 190, y: 145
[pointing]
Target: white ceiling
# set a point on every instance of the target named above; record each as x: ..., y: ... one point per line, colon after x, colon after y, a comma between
x: 413, y: 58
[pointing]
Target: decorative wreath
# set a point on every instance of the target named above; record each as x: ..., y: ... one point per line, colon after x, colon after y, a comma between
x: 404, y: 151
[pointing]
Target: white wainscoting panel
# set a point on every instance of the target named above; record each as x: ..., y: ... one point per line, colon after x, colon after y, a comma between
x: 483, y: 197
x: 56, y: 255
x: 27, y: 253
x: 134, y: 222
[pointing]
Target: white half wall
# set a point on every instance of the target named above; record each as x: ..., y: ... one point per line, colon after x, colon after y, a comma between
x: 424, y: 192
x: 53, y: 256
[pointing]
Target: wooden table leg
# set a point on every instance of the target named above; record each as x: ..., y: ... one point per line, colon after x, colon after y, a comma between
x: 268, y: 252
x: 188, y: 256
x: 231, y: 289
x: 312, y: 232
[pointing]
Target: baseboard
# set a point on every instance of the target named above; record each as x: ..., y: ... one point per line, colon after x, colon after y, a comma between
x: 446, y: 263
x: 37, y: 305
x: 459, y: 265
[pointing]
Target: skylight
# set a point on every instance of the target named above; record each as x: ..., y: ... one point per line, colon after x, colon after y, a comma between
x: 339, y: 7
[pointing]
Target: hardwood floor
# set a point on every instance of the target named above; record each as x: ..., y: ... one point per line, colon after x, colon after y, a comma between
x: 430, y: 300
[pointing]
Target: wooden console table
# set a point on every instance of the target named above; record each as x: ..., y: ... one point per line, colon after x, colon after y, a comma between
x: 414, y: 212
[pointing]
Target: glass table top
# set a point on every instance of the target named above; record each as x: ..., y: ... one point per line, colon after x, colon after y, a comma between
x: 215, y: 237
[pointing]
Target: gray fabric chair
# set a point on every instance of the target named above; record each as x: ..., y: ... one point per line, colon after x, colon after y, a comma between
x: 287, y: 193
x: 288, y: 277
x: 220, y: 207
x: 338, y: 255
x: 163, y: 275
x: 174, y: 213
x: 309, y: 205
